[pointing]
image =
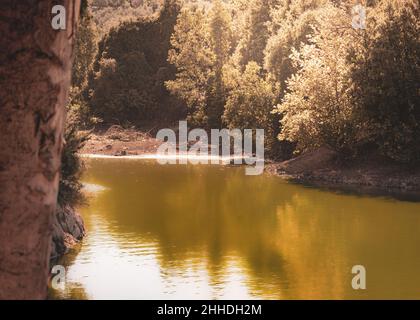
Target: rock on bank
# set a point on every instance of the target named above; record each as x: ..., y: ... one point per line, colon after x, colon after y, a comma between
x: 68, y: 230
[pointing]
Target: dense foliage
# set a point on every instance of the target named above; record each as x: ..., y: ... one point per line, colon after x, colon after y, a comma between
x: 385, y: 78
x: 70, y: 189
x: 127, y: 82
x: 357, y: 90
x: 316, y: 108
x: 78, y: 112
x: 201, y: 46
x: 298, y: 69
x: 109, y: 14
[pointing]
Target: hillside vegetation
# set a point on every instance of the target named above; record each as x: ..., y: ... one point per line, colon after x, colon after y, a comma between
x: 301, y: 70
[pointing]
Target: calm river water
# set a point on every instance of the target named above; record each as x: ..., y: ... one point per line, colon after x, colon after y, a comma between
x: 211, y: 232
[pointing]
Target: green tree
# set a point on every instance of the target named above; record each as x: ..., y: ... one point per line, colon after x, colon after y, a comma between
x: 127, y: 82
x: 250, y: 99
x: 316, y: 110
x: 221, y: 44
x: 385, y: 76
x: 85, y: 50
x: 254, y: 31
x: 291, y: 24
x: 193, y: 58
x: 78, y: 112
x: 201, y: 46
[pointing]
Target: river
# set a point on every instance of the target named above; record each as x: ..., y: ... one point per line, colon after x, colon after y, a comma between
x: 211, y: 232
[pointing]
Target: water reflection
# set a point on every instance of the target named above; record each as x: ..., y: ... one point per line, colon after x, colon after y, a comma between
x: 191, y: 232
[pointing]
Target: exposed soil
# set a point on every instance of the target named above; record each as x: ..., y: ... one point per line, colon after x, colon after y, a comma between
x: 117, y: 141
x: 322, y: 167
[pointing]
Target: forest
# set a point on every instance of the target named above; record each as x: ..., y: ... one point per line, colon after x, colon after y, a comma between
x: 334, y: 85
x: 301, y: 70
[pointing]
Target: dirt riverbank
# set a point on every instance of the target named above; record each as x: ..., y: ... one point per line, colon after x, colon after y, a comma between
x: 324, y: 167
x: 117, y: 141
x: 321, y: 167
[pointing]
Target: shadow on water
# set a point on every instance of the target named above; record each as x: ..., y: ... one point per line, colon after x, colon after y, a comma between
x: 362, y: 191
x: 213, y: 232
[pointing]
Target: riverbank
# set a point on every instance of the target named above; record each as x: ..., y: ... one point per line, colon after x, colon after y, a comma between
x: 163, y: 225
x: 67, y: 231
x: 322, y: 167
x: 117, y: 141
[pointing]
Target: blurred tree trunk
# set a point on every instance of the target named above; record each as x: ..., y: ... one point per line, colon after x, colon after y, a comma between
x: 35, y: 67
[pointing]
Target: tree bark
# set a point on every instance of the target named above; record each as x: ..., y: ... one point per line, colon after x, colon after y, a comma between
x: 35, y: 65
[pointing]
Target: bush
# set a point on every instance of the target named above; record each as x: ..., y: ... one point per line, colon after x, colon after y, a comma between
x: 70, y: 189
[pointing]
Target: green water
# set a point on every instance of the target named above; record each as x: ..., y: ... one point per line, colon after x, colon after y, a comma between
x: 211, y: 232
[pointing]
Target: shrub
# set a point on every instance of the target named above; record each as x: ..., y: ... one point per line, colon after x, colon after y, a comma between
x: 70, y: 188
